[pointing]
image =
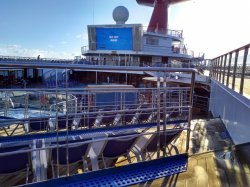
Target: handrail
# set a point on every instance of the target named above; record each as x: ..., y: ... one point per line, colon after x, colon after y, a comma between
x: 171, y: 32
x: 64, y: 102
x: 95, y: 67
x: 175, y: 49
x: 228, y: 66
x: 18, y: 58
x: 51, y: 137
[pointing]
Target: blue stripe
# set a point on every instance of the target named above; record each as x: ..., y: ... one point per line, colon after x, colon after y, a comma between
x: 85, y: 132
x: 123, y: 176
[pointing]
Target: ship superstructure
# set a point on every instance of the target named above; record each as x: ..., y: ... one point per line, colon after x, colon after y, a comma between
x: 130, y: 44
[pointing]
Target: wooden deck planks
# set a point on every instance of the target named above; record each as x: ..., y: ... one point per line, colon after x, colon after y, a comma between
x: 205, y: 171
x: 213, y: 179
x: 201, y: 172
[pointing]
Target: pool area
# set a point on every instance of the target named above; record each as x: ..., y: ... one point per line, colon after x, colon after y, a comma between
x: 20, y: 113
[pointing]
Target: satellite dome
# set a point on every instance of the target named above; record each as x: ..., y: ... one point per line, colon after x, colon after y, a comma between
x: 120, y: 14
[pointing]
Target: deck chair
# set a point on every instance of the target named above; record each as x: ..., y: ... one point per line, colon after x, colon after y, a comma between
x: 76, y: 154
x: 38, y: 124
x: 91, y: 120
x: 128, y: 116
x: 112, y: 118
x: 131, y: 117
x: 170, y: 115
x: 145, y: 116
x: 62, y: 122
x: 15, y: 163
x: 73, y: 123
x: 145, y: 146
x: 115, y: 148
x: 108, y: 118
x: 117, y: 119
x: 98, y: 120
x: 87, y: 121
x: 152, y: 117
x: 6, y: 125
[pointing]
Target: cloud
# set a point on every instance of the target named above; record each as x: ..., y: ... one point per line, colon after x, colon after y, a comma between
x: 78, y: 36
x: 51, y: 46
x: 63, y: 42
x: 83, y: 36
x: 18, y: 50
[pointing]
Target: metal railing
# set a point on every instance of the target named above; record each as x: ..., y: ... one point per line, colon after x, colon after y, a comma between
x: 61, y: 106
x: 159, y: 100
x: 175, y: 33
x: 34, y: 59
x: 233, y: 69
x: 175, y: 49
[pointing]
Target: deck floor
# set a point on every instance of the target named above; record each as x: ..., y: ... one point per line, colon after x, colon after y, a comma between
x: 210, y: 163
x: 208, y: 170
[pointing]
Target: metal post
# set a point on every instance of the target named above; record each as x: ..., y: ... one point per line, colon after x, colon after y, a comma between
x: 67, y: 124
x: 213, y: 65
x: 158, y: 113
x: 243, y: 69
x: 212, y: 69
x: 164, y: 111
x: 220, y: 66
x: 56, y: 121
x: 224, y: 69
x: 99, y: 61
x: 26, y: 103
x: 217, y: 68
x: 235, y: 67
x: 228, y: 68
x: 96, y: 77
x: 190, y: 109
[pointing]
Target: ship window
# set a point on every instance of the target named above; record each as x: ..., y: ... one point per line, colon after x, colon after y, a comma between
x: 152, y: 41
x: 30, y: 73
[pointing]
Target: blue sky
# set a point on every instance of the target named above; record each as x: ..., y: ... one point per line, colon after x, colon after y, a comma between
x: 58, y: 28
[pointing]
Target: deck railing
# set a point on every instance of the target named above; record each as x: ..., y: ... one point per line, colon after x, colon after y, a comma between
x: 170, y: 32
x: 115, y: 109
x: 175, y: 50
x: 33, y: 59
x: 233, y: 70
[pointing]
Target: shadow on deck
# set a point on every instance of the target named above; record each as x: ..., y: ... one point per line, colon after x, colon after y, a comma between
x: 213, y: 160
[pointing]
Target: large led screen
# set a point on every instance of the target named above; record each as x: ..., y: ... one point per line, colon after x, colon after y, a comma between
x: 114, y: 39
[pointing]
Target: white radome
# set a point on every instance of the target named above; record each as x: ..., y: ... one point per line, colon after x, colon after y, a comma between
x: 120, y: 14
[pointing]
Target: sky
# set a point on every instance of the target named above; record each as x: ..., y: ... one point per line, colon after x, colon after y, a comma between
x: 58, y: 28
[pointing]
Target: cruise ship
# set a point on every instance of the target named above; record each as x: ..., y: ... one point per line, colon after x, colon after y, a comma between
x: 136, y: 109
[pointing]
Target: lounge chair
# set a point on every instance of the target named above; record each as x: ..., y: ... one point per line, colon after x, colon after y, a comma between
x: 38, y: 124
x: 62, y: 122
x: 147, y: 144
x: 108, y: 118
x: 6, y: 124
x: 15, y: 163
x: 115, y: 148
x: 76, y: 153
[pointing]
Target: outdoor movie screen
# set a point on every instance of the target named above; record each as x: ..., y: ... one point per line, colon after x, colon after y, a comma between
x: 114, y: 39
